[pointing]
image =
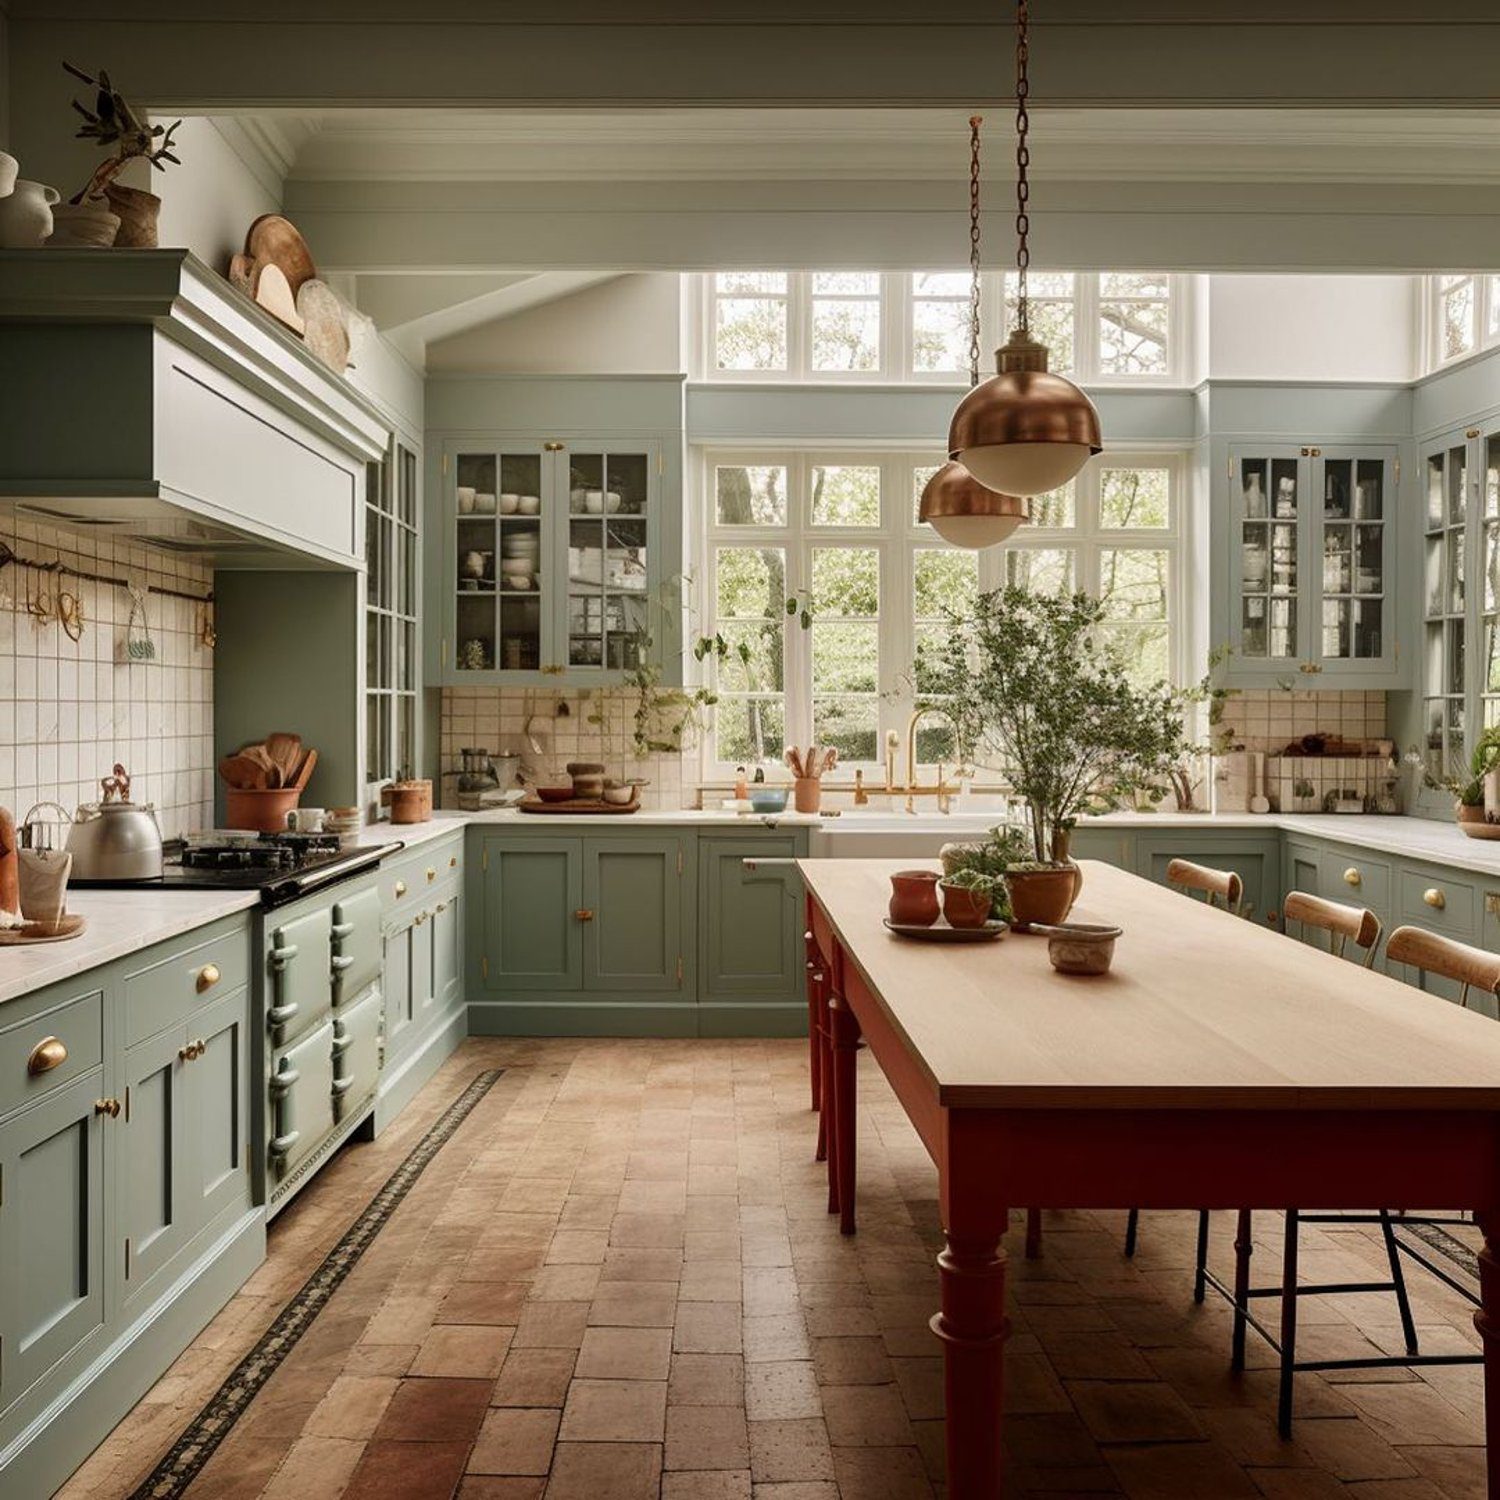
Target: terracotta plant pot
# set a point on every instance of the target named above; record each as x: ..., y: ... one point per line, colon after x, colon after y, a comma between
x: 1468, y: 814
x: 966, y: 908
x: 1043, y: 897
x: 807, y: 793
x: 914, y: 898
x: 138, y: 213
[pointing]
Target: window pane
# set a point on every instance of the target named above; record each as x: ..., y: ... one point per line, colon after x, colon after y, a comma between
x: 846, y: 283
x: 1458, y: 318
x: 844, y: 657
x: 751, y: 495
x: 846, y: 582
x: 763, y: 282
x: 1133, y: 583
x: 750, y: 334
x: 1134, y: 497
x: 846, y: 333
x: 751, y: 583
x: 747, y: 730
x: 1132, y: 338
x: 1133, y: 284
x: 1041, y: 284
x: 944, y: 583
x: 1144, y: 648
x: 1052, y: 323
x: 1043, y: 570
x: 845, y: 496
x: 755, y: 659
x: 1494, y: 327
x: 939, y: 336
x: 928, y: 666
x: 1055, y: 508
x: 940, y: 284
x: 848, y: 724
x: 919, y: 477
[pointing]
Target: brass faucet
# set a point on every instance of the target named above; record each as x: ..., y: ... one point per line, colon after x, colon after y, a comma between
x: 941, y: 791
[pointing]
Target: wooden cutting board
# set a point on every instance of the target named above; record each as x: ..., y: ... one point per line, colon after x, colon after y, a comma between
x: 273, y: 292
x: 275, y: 239
x: 42, y: 932
x: 590, y: 805
x: 325, y: 323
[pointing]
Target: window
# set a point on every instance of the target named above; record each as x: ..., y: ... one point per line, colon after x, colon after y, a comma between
x: 839, y: 529
x: 391, y: 617
x: 914, y: 325
x: 1463, y: 316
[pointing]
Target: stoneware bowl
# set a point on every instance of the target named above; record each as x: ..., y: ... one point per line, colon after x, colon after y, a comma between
x: 768, y: 799
x: 1080, y: 947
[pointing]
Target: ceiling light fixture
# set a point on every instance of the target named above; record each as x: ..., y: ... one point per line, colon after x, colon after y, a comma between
x: 1025, y: 431
x: 960, y: 509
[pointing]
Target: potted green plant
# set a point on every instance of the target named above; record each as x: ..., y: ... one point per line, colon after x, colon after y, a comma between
x: 1469, y: 791
x: 1038, y: 689
x: 969, y: 897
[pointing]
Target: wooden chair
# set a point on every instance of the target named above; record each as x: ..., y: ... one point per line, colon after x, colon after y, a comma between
x: 1215, y: 886
x: 1470, y: 967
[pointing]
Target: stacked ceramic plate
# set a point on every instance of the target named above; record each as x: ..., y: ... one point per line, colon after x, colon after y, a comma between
x: 520, y: 559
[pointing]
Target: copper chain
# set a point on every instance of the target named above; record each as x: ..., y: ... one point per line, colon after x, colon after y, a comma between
x: 1023, y: 161
x: 975, y: 121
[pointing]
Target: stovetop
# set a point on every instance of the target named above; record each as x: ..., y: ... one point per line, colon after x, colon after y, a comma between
x: 282, y: 866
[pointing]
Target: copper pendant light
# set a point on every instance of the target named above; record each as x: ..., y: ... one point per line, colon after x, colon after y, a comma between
x: 960, y: 509
x: 1027, y: 430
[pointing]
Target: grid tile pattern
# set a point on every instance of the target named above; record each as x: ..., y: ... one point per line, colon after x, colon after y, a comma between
x: 1265, y: 719
x: 634, y: 1234
x: 70, y: 709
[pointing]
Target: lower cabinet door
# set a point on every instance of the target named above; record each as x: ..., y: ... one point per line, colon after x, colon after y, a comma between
x: 154, y: 1209
x: 356, y: 944
x: 397, y: 986
x: 356, y: 1054
x: 51, y: 1231
x: 301, y: 1093
x: 750, y: 920
x: 447, y: 951
x: 299, y: 974
x: 218, y: 1106
x: 1256, y: 859
x: 632, y: 914
x: 533, y: 892
x: 422, y: 965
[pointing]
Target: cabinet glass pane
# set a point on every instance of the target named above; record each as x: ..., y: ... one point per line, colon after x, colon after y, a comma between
x: 1369, y: 490
x: 1338, y: 489
x: 498, y: 561
x: 1435, y: 491
x: 608, y: 552
x: 1269, y: 576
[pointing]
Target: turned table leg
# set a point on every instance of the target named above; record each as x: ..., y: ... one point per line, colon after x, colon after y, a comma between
x: 846, y: 1044
x: 1487, y: 1321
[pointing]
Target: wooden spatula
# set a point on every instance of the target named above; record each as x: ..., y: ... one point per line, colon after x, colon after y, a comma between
x: 242, y: 773
x: 305, y: 770
x: 285, y: 751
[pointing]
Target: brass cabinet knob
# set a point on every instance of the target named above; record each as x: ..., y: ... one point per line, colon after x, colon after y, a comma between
x: 420, y: 917
x: 1352, y: 875
x: 432, y: 874
x: 49, y: 1053
x: 400, y: 889
x: 110, y: 1107
x: 208, y: 977
x: 453, y: 863
x: 1435, y: 898
x: 584, y: 914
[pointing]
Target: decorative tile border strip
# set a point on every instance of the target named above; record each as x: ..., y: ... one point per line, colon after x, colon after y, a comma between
x: 185, y: 1460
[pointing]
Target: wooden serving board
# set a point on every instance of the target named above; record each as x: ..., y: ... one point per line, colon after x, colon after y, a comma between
x: 42, y: 932
x: 576, y: 805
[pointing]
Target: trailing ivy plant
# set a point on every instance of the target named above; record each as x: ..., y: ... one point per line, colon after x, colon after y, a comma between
x: 1035, y: 686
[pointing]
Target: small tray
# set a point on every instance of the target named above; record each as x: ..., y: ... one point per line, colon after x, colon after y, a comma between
x: 42, y: 932
x: 941, y: 932
x: 590, y: 805
x: 1480, y: 830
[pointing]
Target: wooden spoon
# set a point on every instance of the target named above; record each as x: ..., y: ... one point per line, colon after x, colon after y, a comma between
x: 306, y: 769
x: 242, y: 773
x: 285, y: 751
x: 271, y: 776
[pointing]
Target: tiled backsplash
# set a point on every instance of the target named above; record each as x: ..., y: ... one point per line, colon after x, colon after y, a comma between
x: 596, y: 726
x: 69, y: 709
x: 1267, y: 719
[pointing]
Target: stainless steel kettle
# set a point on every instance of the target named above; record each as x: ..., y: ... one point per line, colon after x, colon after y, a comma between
x: 115, y: 838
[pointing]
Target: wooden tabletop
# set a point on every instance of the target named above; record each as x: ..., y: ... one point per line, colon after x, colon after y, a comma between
x: 1200, y: 1010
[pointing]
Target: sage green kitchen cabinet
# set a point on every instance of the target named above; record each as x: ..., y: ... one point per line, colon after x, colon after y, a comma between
x: 218, y: 1107
x: 632, y: 916
x: 448, y: 949
x: 153, y: 1207
x: 1255, y: 857
x: 397, y: 986
x: 750, y: 920
x: 533, y: 892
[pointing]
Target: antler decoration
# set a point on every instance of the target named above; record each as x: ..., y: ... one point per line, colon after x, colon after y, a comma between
x: 112, y: 122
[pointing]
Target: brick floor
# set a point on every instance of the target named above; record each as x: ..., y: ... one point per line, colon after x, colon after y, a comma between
x: 619, y: 1279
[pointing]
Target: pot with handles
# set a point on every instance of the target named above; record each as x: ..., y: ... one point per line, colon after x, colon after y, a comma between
x: 26, y: 215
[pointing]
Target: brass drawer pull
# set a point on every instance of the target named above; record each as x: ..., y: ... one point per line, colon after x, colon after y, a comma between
x: 1434, y: 898
x: 453, y: 863
x: 432, y: 874
x: 584, y: 914
x: 208, y: 977
x: 400, y: 889
x: 110, y: 1107
x: 417, y: 920
x: 1352, y: 875
x: 48, y: 1053
x: 193, y: 1051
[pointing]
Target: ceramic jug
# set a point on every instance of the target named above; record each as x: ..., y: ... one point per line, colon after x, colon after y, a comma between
x: 26, y: 215
x: 10, y: 169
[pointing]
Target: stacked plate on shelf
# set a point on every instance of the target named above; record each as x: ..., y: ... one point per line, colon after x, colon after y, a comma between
x: 520, y: 560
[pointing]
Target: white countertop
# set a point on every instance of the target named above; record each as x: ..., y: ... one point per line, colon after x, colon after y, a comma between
x: 123, y: 921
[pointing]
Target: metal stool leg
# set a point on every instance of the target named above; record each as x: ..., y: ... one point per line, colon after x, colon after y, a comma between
x: 1403, y: 1302
x: 1288, y: 1323
x: 1199, y: 1286
x: 1132, y: 1223
x: 1244, y: 1245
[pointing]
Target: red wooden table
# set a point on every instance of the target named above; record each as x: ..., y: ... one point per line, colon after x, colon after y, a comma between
x: 1218, y: 1065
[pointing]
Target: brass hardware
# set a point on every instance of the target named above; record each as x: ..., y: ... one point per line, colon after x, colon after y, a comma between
x: 679, y: 859
x: 453, y: 863
x: 202, y: 1047
x: 1471, y: 432
x: 1435, y: 898
x: 185, y: 1053
x: 420, y: 917
x: 861, y: 796
x: 48, y: 1053
x: 110, y: 1107
x: 1352, y: 875
x: 1310, y: 668
x: 1317, y: 453
x: 1306, y: 452
x: 1492, y: 903
x: 208, y: 977
x: 584, y: 914
x: 432, y: 874
x: 400, y: 889
x: 445, y: 463
x: 941, y: 791
x: 552, y: 447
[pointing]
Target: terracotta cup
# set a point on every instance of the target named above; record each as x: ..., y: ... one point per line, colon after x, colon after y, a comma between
x: 807, y: 796
x: 914, y: 898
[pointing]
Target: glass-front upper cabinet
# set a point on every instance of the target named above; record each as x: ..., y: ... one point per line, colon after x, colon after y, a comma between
x: 1312, y: 562
x: 551, y: 558
x: 392, y: 535
x: 1461, y: 596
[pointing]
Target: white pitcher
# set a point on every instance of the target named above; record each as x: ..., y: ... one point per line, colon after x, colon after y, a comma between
x: 10, y: 169
x: 26, y: 215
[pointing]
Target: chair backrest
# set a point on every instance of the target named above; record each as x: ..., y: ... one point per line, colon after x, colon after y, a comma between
x: 1341, y: 923
x: 1473, y: 968
x: 1213, y: 885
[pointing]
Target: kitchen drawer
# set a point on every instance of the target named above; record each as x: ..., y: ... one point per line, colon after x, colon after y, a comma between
x: 1454, y: 913
x: 299, y: 973
x: 175, y: 978
x: 356, y: 944
x: 356, y: 1054
x: 60, y: 1036
x: 408, y: 878
x: 1350, y: 876
x: 301, y: 1095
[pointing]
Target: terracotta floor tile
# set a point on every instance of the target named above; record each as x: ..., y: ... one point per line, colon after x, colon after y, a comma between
x: 408, y: 1471
x: 534, y: 1377
x: 781, y: 1336
x: 615, y: 1411
x: 721, y: 1484
x: 634, y: 1304
x: 380, y: 1359
x: 811, y: 1489
x: 353, y: 1407
x: 1133, y: 1411
x: 796, y: 1449
x: 625, y: 1354
x: 707, y: 1437
x: 463, y: 1350
x: 649, y: 1231
x: 315, y: 1465
x: 634, y: 1263
x: 1168, y: 1471
x: 483, y: 1302
x: 881, y: 1474
x: 866, y: 1416
x: 583, y: 1247
x: 605, y: 1471
x: 498, y: 1487
x: 434, y: 1411
x: 707, y: 1328
x: 707, y: 1380
x: 551, y: 1325
x: 565, y: 1283
x: 1350, y: 1451
x: 515, y: 1440
x: 857, y: 1361
x: 782, y: 1391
